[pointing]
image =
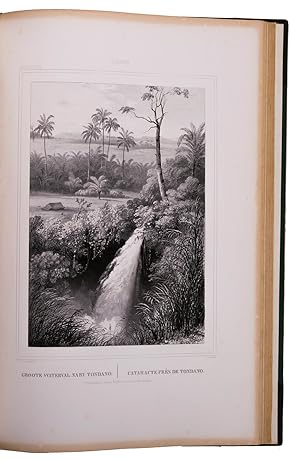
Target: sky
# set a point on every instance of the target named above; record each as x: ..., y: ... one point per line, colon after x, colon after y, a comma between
x: 72, y: 105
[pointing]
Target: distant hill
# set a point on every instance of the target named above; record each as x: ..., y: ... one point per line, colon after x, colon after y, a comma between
x: 144, y: 152
x: 144, y: 142
x: 75, y: 138
x: 68, y: 135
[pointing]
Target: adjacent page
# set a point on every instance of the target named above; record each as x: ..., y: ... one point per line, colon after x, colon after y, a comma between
x: 137, y: 159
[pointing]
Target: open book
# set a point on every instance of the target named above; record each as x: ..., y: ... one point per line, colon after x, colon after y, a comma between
x: 142, y: 203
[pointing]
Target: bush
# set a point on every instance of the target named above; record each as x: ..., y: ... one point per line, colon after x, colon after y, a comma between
x: 121, y: 183
x: 84, y: 237
x: 126, y: 184
x: 150, y: 192
x: 35, y: 240
x: 175, y: 300
x: 175, y: 171
x: 86, y: 192
x: 49, y: 268
x: 161, y: 219
x: 116, y: 194
x: 90, y: 192
x: 190, y: 189
x: 173, y: 305
x: 73, y: 183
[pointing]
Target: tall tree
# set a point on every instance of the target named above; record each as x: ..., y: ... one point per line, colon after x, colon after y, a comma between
x: 157, y: 98
x: 191, y: 144
x: 126, y: 141
x: 44, y: 129
x: 99, y: 118
x: 90, y: 133
x: 110, y: 124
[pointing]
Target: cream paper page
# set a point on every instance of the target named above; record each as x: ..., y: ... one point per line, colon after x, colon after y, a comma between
x: 81, y: 397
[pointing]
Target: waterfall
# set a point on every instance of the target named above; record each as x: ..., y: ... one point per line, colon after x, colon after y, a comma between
x: 119, y: 286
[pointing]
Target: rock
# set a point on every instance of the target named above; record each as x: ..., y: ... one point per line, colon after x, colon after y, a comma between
x: 57, y: 206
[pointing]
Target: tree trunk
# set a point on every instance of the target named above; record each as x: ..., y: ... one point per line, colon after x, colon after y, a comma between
x: 89, y: 162
x: 46, y: 159
x: 108, y: 145
x: 103, y: 151
x: 160, y: 177
x: 194, y: 168
x: 99, y: 194
x: 123, y: 163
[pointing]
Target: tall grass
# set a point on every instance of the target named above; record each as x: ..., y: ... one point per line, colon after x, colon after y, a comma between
x: 173, y: 306
x: 54, y: 321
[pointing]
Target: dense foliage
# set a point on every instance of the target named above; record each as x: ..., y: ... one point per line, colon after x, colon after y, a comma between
x: 172, y: 301
x: 169, y: 211
x: 67, y: 173
x: 79, y: 240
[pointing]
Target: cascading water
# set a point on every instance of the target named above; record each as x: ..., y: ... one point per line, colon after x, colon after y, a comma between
x: 119, y: 286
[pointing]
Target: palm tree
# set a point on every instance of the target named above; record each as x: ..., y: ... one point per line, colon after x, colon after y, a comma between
x: 192, y: 145
x: 44, y: 129
x: 99, y: 118
x: 76, y: 156
x: 113, y: 160
x: 61, y: 159
x: 138, y: 169
x: 114, y: 165
x: 91, y: 132
x: 126, y: 141
x: 97, y: 185
x: 109, y: 125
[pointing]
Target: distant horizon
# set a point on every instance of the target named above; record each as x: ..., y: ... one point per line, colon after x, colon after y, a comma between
x: 77, y: 136
x: 72, y: 105
x: 143, y: 153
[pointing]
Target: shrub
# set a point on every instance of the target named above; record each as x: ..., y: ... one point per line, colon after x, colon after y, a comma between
x: 35, y: 240
x: 150, y: 191
x: 161, y: 218
x: 126, y: 184
x: 116, y: 194
x: 121, y: 183
x: 175, y: 300
x: 175, y: 171
x: 84, y: 237
x: 49, y: 268
x: 190, y: 189
x: 73, y: 183
x: 86, y: 192
x: 90, y: 192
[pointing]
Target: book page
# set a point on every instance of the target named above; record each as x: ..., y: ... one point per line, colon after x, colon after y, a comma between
x: 129, y: 155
